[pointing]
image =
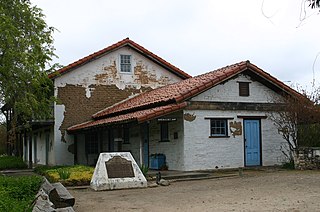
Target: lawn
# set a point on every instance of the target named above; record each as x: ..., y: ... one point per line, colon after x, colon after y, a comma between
x: 11, y: 162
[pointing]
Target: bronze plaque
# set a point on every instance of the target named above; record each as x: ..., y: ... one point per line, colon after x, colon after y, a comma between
x: 119, y: 167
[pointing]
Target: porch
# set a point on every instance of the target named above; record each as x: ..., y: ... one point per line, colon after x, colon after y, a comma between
x: 159, y: 136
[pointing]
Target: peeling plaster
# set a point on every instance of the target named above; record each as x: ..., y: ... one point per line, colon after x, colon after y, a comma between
x: 189, y: 117
x: 235, y: 128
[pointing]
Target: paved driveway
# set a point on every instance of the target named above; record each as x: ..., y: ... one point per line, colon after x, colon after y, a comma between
x: 255, y: 191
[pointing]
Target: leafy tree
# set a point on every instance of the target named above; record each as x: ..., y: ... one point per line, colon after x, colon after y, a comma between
x: 25, y: 51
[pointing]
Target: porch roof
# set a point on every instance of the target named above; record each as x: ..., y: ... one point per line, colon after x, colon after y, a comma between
x: 138, y: 116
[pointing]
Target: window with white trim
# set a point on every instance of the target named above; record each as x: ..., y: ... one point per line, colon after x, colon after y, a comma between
x: 125, y: 63
x: 218, y: 127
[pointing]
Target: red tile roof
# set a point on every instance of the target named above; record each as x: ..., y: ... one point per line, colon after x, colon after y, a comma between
x: 139, y: 116
x: 163, y: 100
x: 188, y: 88
x: 115, y: 46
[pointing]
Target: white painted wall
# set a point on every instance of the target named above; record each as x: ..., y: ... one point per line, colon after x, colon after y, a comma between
x: 229, y: 92
x: 173, y: 149
x: 134, y: 143
x: 39, y: 139
x: 202, y: 152
x: 86, y: 74
x: 60, y: 148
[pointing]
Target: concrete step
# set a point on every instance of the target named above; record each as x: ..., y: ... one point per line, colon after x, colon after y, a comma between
x: 187, y: 175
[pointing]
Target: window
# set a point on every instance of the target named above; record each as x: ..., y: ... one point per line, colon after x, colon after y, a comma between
x: 164, y: 131
x: 218, y: 127
x: 243, y: 88
x: 92, y: 145
x: 125, y: 63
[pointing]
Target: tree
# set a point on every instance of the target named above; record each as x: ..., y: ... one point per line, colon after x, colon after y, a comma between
x: 25, y: 51
x: 26, y: 47
x: 297, y: 119
x: 314, y: 3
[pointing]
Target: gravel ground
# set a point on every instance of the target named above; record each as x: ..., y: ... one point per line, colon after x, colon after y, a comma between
x: 255, y: 191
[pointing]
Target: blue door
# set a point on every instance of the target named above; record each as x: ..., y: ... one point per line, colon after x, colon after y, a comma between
x: 252, y: 142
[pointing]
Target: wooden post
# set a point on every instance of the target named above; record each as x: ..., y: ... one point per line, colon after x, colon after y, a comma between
x: 75, y: 146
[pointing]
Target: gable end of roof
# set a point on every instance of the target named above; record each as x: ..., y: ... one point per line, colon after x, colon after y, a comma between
x: 114, y: 47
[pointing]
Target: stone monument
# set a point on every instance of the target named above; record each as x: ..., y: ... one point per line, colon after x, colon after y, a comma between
x: 117, y: 170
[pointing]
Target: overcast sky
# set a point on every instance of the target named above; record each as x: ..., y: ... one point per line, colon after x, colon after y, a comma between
x: 196, y: 36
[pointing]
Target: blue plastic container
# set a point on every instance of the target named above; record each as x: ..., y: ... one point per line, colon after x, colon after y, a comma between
x: 157, y: 161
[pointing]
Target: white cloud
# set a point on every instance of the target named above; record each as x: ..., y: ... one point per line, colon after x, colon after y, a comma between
x: 196, y: 36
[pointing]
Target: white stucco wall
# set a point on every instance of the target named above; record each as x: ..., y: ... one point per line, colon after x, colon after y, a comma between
x: 97, y: 72
x: 134, y: 143
x: 229, y: 92
x: 61, y: 154
x: 173, y: 149
x: 202, y: 152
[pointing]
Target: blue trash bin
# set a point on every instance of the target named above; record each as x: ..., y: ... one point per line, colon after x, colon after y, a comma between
x: 157, y: 161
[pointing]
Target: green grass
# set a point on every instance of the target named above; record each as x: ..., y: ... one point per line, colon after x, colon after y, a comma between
x: 18, y: 193
x: 67, y: 175
x: 11, y: 162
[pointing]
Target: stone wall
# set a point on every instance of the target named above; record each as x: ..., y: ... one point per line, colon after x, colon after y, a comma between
x: 308, y: 158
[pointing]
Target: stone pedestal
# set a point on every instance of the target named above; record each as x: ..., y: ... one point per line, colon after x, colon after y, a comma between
x: 117, y: 170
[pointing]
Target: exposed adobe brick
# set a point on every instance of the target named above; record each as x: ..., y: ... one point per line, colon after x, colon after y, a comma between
x: 79, y: 108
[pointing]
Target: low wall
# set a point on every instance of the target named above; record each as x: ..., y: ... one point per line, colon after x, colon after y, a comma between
x: 308, y: 158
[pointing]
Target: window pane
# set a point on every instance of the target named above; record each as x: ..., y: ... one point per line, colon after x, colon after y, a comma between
x: 92, y: 144
x: 218, y: 127
x: 125, y: 63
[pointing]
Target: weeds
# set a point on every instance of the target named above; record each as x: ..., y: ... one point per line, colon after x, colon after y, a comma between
x: 17, y: 193
x: 144, y: 169
x: 64, y: 174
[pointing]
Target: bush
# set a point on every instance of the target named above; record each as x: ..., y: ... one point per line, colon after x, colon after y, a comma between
x: 288, y: 165
x: 11, y: 162
x: 18, y: 193
x: 67, y: 175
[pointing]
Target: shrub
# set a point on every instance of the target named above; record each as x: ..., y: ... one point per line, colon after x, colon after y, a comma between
x: 11, y: 162
x: 67, y: 175
x: 64, y: 174
x: 17, y: 193
x: 288, y: 165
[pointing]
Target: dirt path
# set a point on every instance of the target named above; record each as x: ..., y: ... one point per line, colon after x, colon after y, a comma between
x: 256, y: 191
